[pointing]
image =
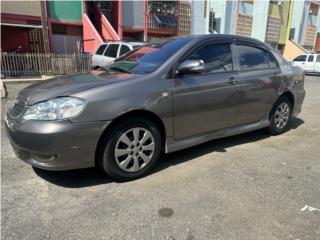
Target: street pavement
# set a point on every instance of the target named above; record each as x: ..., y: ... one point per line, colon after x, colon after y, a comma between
x: 252, y: 186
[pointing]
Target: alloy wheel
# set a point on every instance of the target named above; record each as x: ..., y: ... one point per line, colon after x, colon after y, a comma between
x: 134, y: 149
x: 282, y: 115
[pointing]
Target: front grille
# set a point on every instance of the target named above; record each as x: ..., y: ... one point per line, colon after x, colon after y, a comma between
x: 16, y: 110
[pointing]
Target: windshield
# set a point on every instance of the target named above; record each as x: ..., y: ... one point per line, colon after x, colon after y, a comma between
x: 149, y: 57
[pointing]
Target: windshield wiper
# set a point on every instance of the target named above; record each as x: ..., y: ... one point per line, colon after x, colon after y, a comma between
x: 120, y: 69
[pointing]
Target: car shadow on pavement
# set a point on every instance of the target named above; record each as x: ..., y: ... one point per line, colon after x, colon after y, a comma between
x: 93, y: 176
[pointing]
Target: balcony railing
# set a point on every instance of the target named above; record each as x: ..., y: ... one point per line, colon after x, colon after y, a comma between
x: 162, y: 22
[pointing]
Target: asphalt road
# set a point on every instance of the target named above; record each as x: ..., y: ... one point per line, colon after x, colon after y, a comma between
x: 250, y: 186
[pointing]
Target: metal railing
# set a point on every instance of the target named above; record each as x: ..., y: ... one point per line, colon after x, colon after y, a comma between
x: 35, y: 64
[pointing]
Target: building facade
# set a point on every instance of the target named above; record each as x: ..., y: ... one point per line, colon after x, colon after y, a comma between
x: 274, y: 21
x: 75, y: 26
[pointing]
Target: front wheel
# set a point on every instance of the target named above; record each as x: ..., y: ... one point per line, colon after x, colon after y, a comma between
x: 131, y: 149
x: 280, y: 116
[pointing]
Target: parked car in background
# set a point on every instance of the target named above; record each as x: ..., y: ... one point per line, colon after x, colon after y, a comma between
x: 107, y: 52
x: 310, y: 63
x: 165, y: 96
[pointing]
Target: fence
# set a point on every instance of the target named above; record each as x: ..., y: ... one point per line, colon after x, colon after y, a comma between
x: 32, y: 64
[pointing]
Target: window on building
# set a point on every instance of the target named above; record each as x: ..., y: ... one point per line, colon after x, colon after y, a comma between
x: 59, y: 29
x: 101, y: 49
x: 255, y: 58
x: 217, y: 57
x: 301, y: 58
x: 124, y: 49
x: 112, y: 50
x: 310, y: 58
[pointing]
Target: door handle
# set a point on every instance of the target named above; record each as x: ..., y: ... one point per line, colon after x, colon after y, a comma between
x: 232, y: 80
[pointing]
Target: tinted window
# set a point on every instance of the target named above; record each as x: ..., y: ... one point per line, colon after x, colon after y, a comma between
x: 310, y: 58
x: 147, y: 58
x: 151, y: 56
x: 124, y: 49
x: 217, y: 57
x: 301, y: 58
x: 255, y: 58
x: 101, y: 49
x: 112, y: 50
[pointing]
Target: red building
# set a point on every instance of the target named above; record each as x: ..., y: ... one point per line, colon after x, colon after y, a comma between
x: 74, y: 26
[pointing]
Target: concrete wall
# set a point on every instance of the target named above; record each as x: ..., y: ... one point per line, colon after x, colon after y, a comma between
x: 260, y: 19
x: 299, y: 20
x: 200, y: 22
x: 133, y: 13
x: 219, y: 7
x: 31, y: 8
x: 291, y: 50
x: 230, y: 17
x: 65, y: 10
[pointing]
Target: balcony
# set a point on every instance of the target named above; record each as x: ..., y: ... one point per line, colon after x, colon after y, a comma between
x: 163, y: 24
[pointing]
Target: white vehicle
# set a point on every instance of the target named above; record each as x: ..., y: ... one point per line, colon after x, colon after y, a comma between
x: 107, y: 52
x: 310, y: 63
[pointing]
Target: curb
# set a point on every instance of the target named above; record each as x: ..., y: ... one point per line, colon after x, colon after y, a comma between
x: 25, y: 80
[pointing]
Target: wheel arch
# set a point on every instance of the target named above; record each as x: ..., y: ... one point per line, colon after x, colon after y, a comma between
x: 134, y: 113
x: 287, y: 94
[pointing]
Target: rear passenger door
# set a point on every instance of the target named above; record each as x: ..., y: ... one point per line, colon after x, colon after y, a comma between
x: 260, y: 78
x: 317, y: 64
x: 309, y: 65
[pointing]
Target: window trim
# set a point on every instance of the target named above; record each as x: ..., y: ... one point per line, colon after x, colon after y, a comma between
x: 202, y: 44
x: 117, y: 54
x: 306, y: 55
x: 255, y: 45
x: 121, y: 47
x: 95, y: 53
x: 310, y: 55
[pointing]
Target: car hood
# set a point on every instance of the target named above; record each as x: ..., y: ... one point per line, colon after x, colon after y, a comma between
x: 67, y: 85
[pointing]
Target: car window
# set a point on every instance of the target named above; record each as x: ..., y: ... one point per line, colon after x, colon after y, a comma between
x: 318, y: 58
x: 301, y: 58
x: 147, y: 58
x: 112, y: 51
x: 255, y: 58
x: 217, y: 57
x: 124, y: 49
x: 310, y: 58
x: 101, y: 49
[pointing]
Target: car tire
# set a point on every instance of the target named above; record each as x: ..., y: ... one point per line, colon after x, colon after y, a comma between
x: 125, y: 158
x: 280, y: 116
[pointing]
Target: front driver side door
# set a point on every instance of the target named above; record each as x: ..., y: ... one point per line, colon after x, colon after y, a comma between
x: 208, y: 101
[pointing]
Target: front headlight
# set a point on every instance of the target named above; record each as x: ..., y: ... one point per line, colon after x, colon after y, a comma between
x: 56, y: 109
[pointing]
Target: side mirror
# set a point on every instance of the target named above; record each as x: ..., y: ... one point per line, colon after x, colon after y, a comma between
x: 191, y: 67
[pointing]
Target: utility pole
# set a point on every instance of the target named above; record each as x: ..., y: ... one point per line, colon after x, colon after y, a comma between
x: 44, y: 24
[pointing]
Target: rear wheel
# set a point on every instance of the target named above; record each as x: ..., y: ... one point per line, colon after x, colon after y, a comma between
x: 280, y: 116
x: 131, y: 149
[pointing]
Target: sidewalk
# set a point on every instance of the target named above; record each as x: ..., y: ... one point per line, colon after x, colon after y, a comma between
x: 25, y: 79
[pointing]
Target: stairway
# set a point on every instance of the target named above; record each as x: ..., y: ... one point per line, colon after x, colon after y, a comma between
x: 97, y: 30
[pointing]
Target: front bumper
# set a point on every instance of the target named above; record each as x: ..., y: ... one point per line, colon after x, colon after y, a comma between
x: 55, y: 145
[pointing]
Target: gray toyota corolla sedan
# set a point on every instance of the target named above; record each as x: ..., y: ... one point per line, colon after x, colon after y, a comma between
x: 164, y: 96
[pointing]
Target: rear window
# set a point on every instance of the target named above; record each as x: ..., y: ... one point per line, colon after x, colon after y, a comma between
x: 124, y: 49
x: 310, y: 58
x: 255, y: 58
x: 112, y: 50
x: 101, y: 49
x: 301, y: 58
